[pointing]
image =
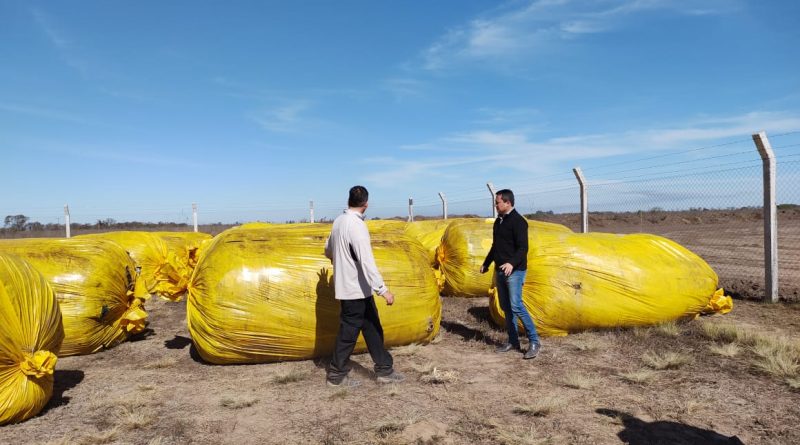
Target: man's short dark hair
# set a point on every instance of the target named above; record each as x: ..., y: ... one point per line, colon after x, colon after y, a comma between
x: 358, y: 196
x: 506, y: 195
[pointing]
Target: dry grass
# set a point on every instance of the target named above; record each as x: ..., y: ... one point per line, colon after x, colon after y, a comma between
x: 665, y: 360
x: 578, y: 381
x: 146, y: 388
x: 669, y: 329
x: 587, y: 342
x: 725, y: 350
x: 526, y: 437
x: 130, y: 419
x: 407, y: 350
x: 385, y: 429
x: 340, y: 393
x: 439, y: 337
x: 726, y: 332
x: 794, y: 383
x: 438, y: 376
x: 640, y: 376
x: 166, y: 362
x: 540, y: 407
x: 238, y: 402
x: 290, y: 376
x: 776, y: 357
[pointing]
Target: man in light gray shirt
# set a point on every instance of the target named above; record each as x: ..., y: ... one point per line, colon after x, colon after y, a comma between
x: 355, y: 278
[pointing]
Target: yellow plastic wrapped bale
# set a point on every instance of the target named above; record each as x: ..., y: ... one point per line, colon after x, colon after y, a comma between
x: 98, y: 291
x: 599, y: 280
x: 164, y: 275
x: 262, y: 295
x: 429, y: 233
x: 464, y: 246
x: 30, y: 337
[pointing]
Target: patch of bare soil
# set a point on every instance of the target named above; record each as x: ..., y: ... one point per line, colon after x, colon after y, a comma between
x: 677, y: 384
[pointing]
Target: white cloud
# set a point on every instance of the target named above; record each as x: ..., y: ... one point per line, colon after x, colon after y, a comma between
x: 65, y: 47
x: 285, y: 118
x: 516, y: 34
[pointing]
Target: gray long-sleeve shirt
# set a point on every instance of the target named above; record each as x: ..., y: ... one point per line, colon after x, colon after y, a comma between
x: 355, y: 274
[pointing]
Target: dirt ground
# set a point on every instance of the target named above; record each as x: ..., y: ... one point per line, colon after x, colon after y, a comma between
x: 582, y: 389
x: 588, y: 388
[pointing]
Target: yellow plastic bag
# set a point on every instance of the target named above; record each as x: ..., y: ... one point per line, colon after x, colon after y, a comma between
x: 464, y: 246
x: 267, y: 294
x: 31, y: 333
x: 599, y: 280
x: 98, y: 291
x: 164, y: 275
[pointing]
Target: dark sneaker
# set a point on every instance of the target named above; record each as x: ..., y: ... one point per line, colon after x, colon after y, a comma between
x: 347, y: 382
x: 394, y: 377
x: 532, y: 351
x: 505, y: 347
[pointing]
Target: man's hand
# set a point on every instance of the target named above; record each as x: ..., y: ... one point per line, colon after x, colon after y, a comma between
x: 389, y: 298
x: 507, y: 268
x: 484, y: 269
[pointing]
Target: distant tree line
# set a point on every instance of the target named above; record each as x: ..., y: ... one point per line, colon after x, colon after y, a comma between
x: 22, y: 223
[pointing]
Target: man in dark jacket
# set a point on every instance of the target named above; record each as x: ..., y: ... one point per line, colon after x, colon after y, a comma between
x: 509, y: 253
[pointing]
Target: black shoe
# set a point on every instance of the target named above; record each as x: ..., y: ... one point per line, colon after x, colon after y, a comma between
x: 505, y: 347
x: 532, y: 351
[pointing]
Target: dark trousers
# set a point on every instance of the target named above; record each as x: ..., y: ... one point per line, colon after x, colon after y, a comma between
x: 359, y: 316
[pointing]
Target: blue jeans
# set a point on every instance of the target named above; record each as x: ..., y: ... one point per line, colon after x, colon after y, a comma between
x: 509, y: 291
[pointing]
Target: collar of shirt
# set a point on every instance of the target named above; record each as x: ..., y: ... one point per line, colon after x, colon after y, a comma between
x: 354, y: 212
x: 503, y: 216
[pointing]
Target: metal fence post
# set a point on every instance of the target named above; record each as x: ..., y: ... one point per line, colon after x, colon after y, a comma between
x: 770, y: 217
x: 66, y: 219
x: 410, y: 209
x: 311, y: 211
x: 584, y: 200
x: 490, y: 186
x: 444, y: 205
x: 194, y: 215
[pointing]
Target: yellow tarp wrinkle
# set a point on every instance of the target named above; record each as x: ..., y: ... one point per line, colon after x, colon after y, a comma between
x: 95, y: 282
x: 265, y: 293
x: 31, y: 333
x: 577, y: 282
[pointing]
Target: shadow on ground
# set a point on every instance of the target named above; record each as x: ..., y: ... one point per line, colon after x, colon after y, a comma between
x: 640, y: 432
x: 63, y: 381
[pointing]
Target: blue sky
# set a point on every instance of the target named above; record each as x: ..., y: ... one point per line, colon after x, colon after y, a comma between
x: 135, y: 110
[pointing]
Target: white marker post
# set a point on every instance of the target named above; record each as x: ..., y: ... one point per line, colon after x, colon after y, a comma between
x: 444, y: 205
x: 311, y: 211
x: 194, y: 215
x: 410, y: 209
x: 66, y: 219
x: 770, y: 218
x: 584, y: 199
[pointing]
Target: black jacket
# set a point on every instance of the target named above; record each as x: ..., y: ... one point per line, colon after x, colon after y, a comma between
x: 509, y: 242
